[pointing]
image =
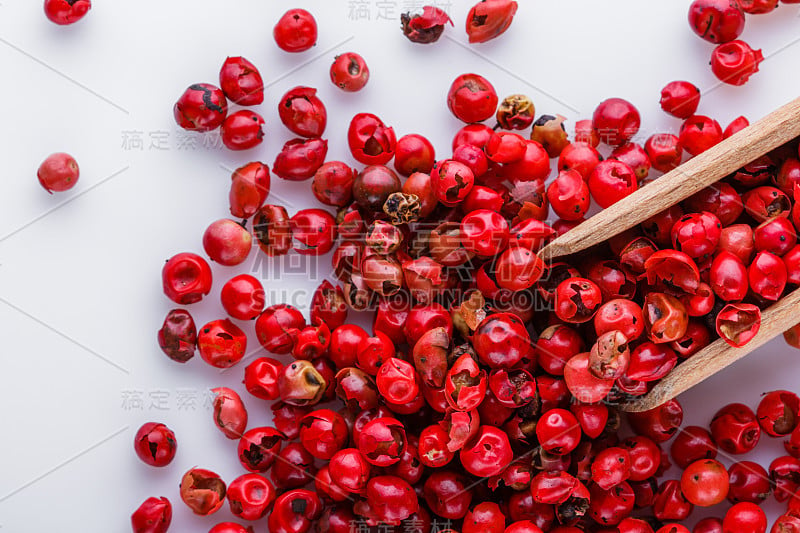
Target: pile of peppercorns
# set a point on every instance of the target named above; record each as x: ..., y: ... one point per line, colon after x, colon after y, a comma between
x: 484, y: 397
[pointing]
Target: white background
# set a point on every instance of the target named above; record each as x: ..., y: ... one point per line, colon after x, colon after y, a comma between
x: 80, y: 296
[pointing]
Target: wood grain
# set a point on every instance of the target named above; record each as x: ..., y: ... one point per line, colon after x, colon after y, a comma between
x: 718, y: 355
x: 777, y: 128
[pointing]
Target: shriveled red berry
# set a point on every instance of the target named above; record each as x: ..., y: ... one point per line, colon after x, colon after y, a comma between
x: 64, y: 12
x: 178, y: 336
x: 202, y: 491
x: 186, y: 278
x: 155, y: 444
x: 426, y: 25
x: 735, y: 62
x: 489, y: 19
x: 472, y: 98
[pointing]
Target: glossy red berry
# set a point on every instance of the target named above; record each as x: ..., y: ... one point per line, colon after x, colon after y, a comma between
x: 302, y: 111
x: 489, y: 19
x: 738, y: 323
x: 611, y: 181
x: 230, y: 415
x: 664, y: 150
x: 767, y: 275
x: 716, y: 21
x: 635, y: 157
x: 472, y: 98
x: 414, y: 153
x: 250, y: 187
x: 186, y: 278
x: 202, y: 107
x: 451, y: 181
x: 749, y: 482
x: 745, y: 518
x: 382, y: 441
x: 735, y: 429
x: 569, y: 195
x: 154, y: 515
x: 371, y: 142
x: 389, y: 500
x: 501, y: 340
x: 313, y: 231
x: 349, y: 72
x: 241, y: 81
x: 577, y: 300
x: 705, y: 483
x: 295, y: 31
x: 261, y: 378
x: 155, y: 444
x: 250, y: 496
x: 230, y: 527
x: 579, y: 156
x: 558, y: 431
x: 242, y: 130
x: 615, y: 120
x: 692, y: 444
x: 465, y: 385
x: 680, y: 99
x: 323, y: 433
x: 488, y: 453
x: 699, y: 133
x: 300, y: 159
x: 243, y: 297
x: 221, y: 343
x: 582, y: 383
x: 659, y: 424
x: 611, y: 467
x: 258, y: 448
x: 202, y: 491
x: 64, y: 12
x: 697, y: 234
x: 778, y: 413
x: 59, y: 172
x: 227, y: 242
x: 447, y: 494
x: 294, y: 511
x: 735, y: 62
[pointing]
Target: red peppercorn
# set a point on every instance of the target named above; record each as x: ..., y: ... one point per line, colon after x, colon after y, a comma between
x: 736, y: 125
x: 303, y: 112
x: 735, y: 429
x: 778, y: 413
x: 349, y: 72
x: 692, y: 444
x: 716, y: 21
x: 243, y: 297
x: 472, y: 98
x: 489, y: 19
x: 313, y: 231
x: 261, y: 378
x: 350, y: 470
x: 186, y: 278
x: 670, y: 503
x: 294, y: 511
x: 615, y: 120
x: 680, y: 99
x: 488, y: 453
x: 611, y: 181
x: 664, y: 150
x: 301, y: 384
x: 735, y: 62
x: 155, y: 444
x: 230, y: 415
x: 65, y: 12
x: 757, y: 7
x: 579, y: 156
x: 389, y: 500
x: 699, y: 133
x: 425, y: 26
x: 612, y: 506
x: 323, y: 433
x: 203, y: 491
x: 295, y: 31
x: 202, y: 107
x: 371, y: 141
x: 776, y: 235
x: 59, y: 172
x: 728, y: 277
x: 250, y: 186
x: 645, y: 457
x: 414, y: 153
x: 178, y: 336
x: 242, y: 130
x: 241, y: 81
x: 738, y: 323
x: 227, y: 242
x: 659, y: 424
x: 749, y: 482
x: 767, y: 276
x: 558, y: 431
x: 300, y: 159
x: 611, y: 467
x: 569, y: 195
x: 448, y: 494
x: 577, y: 299
x: 745, y: 518
x: 582, y: 383
x: 250, y: 496
x: 635, y: 157
x: 154, y: 515
x: 705, y: 483
x: 221, y: 343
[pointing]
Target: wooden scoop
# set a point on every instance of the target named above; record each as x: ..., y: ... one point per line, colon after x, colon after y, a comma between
x: 774, y: 130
